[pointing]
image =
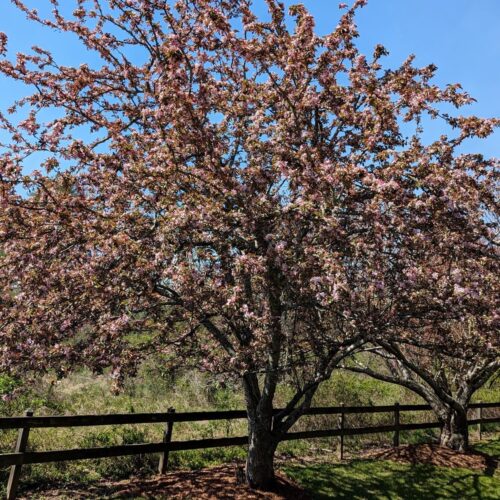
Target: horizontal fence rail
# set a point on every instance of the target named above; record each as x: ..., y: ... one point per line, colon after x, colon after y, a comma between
x: 39, y: 457
x: 25, y: 423
x: 195, y: 416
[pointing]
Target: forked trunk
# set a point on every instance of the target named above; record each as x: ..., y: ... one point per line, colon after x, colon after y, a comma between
x: 261, y: 448
x: 455, y: 431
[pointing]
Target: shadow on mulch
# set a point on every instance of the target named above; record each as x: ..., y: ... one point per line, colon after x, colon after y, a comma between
x: 436, y: 455
x: 207, y: 484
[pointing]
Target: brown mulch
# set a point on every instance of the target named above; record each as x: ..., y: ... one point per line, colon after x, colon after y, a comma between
x: 435, y: 455
x: 215, y: 483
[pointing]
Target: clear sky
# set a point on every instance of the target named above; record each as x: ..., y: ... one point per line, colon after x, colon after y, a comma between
x: 462, y: 37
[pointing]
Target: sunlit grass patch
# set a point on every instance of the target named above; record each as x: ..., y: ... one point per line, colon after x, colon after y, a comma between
x: 373, y: 479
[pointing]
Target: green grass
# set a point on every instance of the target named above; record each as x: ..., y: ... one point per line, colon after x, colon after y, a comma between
x: 372, y: 479
x: 491, y: 448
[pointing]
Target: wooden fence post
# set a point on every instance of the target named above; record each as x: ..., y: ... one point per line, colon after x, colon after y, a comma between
x: 342, y: 425
x: 396, y: 424
x: 479, y: 427
x: 15, y: 470
x: 167, y: 438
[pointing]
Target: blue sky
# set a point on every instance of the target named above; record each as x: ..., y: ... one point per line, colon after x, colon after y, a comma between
x: 462, y: 37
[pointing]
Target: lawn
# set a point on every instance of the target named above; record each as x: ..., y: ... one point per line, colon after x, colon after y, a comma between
x: 373, y: 479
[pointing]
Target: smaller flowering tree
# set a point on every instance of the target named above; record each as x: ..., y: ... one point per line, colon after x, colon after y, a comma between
x: 438, y: 301
x: 236, y: 197
x: 446, y: 382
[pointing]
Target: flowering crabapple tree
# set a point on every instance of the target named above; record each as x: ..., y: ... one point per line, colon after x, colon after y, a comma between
x: 436, y: 298
x: 445, y: 346
x: 220, y: 183
x: 436, y: 302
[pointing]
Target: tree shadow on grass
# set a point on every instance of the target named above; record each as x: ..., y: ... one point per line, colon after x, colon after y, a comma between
x: 372, y: 479
x: 490, y: 450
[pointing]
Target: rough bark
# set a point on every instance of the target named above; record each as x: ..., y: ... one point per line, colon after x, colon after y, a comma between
x: 261, y: 448
x: 262, y: 442
x: 454, y: 431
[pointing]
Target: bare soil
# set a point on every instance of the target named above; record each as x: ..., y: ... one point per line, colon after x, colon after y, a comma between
x: 215, y: 483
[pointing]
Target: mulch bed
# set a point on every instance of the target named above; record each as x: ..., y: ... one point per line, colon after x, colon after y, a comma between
x: 221, y: 483
x: 206, y: 484
x: 435, y: 455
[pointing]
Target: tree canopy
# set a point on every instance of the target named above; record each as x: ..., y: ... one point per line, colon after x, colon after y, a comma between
x: 246, y: 195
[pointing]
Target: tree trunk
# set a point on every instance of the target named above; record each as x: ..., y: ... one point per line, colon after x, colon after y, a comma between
x: 455, y: 431
x: 261, y: 448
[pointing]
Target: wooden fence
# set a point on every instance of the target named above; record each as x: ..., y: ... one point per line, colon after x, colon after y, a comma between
x: 24, y: 424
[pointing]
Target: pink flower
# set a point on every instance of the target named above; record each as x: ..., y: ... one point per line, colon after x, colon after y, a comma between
x: 3, y: 43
